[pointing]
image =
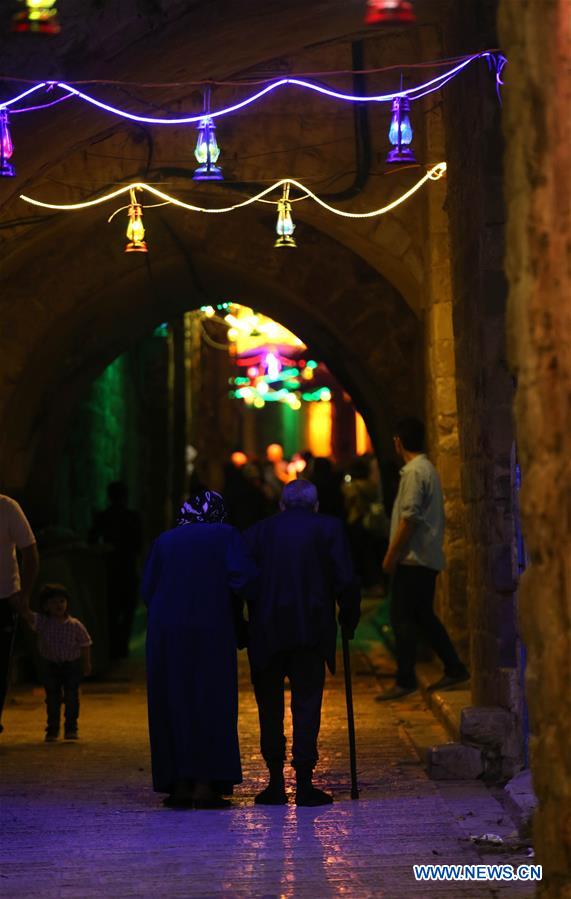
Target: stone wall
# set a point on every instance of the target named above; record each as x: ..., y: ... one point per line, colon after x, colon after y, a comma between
x: 484, y: 383
x: 441, y: 385
x: 118, y: 431
x: 537, y: 129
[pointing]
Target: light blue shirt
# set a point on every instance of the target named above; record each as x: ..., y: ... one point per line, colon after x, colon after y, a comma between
x: 419, y: 499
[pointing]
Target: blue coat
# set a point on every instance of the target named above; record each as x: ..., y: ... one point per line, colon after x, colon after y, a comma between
x: 305, y: 566
x: 191, y: 577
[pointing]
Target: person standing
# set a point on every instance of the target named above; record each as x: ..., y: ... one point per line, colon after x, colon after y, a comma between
x: 305, y: 566
x: 16, y: 581
x: 119, y: 528
x: 193, y: 583
x: 65, y: 649
x: 414, y: 558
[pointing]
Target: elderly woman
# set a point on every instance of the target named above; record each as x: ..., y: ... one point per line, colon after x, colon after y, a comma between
x: 193, y: 581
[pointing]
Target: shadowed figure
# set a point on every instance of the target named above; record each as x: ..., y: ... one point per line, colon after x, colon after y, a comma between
x: 119, y: 528
x: 192, y: 577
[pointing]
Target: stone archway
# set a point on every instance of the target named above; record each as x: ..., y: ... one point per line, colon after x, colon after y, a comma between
x: 363, y: 330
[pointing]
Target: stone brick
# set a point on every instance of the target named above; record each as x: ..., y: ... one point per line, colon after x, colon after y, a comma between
x: 455, y: 761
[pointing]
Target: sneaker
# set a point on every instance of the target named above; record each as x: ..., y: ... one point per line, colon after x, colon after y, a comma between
x: 51, y: 736
x: 448, y: 681
x: 71, y: 735
x: 395, y: 693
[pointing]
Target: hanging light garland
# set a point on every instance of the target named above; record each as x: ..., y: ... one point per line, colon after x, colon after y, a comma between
x: 495, y: 59
x: 207, y: 150
x: 285, y: 226
x: 433, y: 174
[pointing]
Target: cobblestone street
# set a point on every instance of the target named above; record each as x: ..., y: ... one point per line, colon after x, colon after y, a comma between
x: 80, y: 819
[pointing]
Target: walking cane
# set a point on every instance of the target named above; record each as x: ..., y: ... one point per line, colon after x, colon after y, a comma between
x: 350, y: 715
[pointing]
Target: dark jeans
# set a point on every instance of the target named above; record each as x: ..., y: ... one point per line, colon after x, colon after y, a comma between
x: 62, y: 680
x: 8, y: 620
x: 412, y: 612
x: 305, y: 669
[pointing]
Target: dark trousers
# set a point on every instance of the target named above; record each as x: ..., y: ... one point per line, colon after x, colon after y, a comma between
x: 8, y: 620
x: 412, y: 613
x: 305, y: 669
x: 62, y: 680
x: 122, y: 600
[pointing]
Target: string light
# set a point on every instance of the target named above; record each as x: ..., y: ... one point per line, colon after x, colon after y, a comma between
x: 6, y: 146
x: 497, y: 60
x: 433, y: 174
x: 285, y: 226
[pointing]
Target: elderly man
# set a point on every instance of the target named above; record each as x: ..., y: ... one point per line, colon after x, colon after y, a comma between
x: 15, y: 586
x: 305, y: 566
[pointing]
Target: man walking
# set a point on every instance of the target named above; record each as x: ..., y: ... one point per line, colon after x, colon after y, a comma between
x: 305, y: 566
x: 414, y: 558
x: 15, y: 586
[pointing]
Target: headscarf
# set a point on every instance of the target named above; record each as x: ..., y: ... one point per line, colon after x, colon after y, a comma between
x: 204, y: 507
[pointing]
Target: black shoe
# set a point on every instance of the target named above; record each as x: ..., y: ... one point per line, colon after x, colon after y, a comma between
x: 51, y: 736
x: 447, y: 681
x: 308, y: 795
x: 274, y: 794
x: 395, y: 693
x: 71, y: 734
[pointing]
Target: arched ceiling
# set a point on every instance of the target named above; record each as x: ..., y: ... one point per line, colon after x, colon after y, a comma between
x: 354, y: 319
x: 71, y: 300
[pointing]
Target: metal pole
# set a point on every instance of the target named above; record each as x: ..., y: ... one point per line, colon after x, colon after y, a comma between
x: 350, y: 716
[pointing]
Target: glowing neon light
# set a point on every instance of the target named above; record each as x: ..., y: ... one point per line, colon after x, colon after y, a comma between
x: 433, y: 174
x: 420, y: 90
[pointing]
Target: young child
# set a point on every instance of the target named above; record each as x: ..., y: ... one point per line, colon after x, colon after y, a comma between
x: 65, y: 648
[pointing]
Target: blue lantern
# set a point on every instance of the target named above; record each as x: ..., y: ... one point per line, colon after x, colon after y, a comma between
x: 400, y: 133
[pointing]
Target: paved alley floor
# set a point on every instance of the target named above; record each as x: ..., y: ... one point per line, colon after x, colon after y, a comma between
x: 80, y: 819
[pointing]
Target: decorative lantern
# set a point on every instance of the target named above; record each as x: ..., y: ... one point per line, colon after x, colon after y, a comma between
x: 207, y: 150
x: 6, y: 146
x: 135, y: 228
x: 390, y: 12
x: 400, y: 133
x: 39, y: 16
x: 285, y: 226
